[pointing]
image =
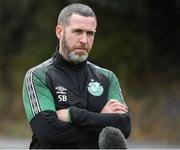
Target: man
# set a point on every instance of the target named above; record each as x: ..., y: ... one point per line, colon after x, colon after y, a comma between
x: 67, y: 99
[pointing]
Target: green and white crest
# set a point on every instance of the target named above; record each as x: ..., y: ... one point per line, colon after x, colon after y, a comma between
x: 95, y: 88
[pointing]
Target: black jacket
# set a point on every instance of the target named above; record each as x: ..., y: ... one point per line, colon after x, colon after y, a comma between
x: 84, y: 88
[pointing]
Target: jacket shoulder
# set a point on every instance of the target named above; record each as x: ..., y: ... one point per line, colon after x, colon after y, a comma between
x: 40, y: 69
x: 104, y: 71
x: 43, y: 66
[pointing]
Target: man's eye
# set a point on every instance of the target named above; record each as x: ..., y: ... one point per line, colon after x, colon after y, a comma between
x: 77, y: 31
x: 90, y: 33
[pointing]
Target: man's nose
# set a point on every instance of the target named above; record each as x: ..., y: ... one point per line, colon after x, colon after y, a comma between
x: 83, y: 38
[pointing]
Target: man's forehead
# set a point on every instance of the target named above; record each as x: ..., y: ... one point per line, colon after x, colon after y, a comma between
x: 77, y: 20
x: 83, y: 28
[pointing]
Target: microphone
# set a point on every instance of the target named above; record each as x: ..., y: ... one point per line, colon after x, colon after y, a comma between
x: 112, y: 138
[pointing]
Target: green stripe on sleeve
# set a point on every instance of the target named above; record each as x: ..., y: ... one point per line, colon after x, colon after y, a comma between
x: 114, y: 89
x: 36, y: 95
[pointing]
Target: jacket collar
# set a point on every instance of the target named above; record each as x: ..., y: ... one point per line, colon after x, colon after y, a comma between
x: 60, y: 62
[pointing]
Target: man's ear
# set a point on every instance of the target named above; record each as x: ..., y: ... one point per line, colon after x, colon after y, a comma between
x: 59, y: 31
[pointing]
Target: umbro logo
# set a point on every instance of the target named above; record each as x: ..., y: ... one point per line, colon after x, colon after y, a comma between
x: 60, y: 90
x: 61, y: 93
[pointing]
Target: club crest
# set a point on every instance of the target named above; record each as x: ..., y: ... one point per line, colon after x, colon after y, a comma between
x: 95, y: 88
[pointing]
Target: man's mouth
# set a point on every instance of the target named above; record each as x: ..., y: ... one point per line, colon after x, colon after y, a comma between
x: 81, y: 49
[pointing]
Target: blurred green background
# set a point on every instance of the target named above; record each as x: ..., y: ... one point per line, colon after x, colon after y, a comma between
x: 138, y: 40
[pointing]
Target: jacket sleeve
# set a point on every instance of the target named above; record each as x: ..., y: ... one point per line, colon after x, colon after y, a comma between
x: 95, y: 122
x: 41, y: 113
x: 49, y: 129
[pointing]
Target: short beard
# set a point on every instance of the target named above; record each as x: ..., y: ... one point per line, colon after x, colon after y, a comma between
x: 73, y: 57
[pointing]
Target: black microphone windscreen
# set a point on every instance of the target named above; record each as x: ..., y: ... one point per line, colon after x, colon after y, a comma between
x: 112, y: 138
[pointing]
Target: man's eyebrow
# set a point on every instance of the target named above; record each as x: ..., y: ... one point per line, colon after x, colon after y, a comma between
x: 77, y: 29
